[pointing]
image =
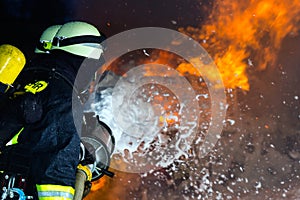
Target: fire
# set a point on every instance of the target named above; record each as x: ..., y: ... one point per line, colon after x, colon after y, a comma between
x: 241, y: 35
x: 100, y: 183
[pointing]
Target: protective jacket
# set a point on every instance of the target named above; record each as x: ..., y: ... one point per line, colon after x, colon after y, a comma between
x: 48, y: 147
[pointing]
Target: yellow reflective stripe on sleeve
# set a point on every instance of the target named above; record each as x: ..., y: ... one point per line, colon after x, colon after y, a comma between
x: 55, y: 192
x: 14, y: 140
x: 36, y: 87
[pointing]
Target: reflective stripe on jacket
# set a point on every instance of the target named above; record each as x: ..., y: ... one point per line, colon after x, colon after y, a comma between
x: 55, y: 192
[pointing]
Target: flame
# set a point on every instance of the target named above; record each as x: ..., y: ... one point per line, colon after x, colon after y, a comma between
x: 100, y: 183
x: 240, y: 35
x: 117, y: 187
x: 243, y: 34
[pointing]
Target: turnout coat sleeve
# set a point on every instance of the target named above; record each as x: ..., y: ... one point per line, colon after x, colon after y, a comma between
x: 10, y: 122
x: 52, y: 137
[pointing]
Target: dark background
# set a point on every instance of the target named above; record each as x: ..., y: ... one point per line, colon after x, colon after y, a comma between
x: 24, y: 20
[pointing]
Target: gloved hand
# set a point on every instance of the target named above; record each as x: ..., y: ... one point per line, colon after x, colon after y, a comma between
x: 83, y: 180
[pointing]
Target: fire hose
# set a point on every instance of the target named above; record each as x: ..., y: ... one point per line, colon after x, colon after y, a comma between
x: 83, y: 176
x: 99, y: 145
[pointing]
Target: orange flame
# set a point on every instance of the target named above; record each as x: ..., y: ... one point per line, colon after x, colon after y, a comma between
x: 100, y: 183
x: 243, y: 34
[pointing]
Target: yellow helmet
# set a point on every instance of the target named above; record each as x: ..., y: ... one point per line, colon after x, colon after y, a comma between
x: 12, y: 61
x: 45, y: 43
x: 79, y: 38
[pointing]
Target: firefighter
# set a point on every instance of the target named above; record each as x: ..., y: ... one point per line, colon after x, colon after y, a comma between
x: 48, y: 149
x: 10, y: 70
